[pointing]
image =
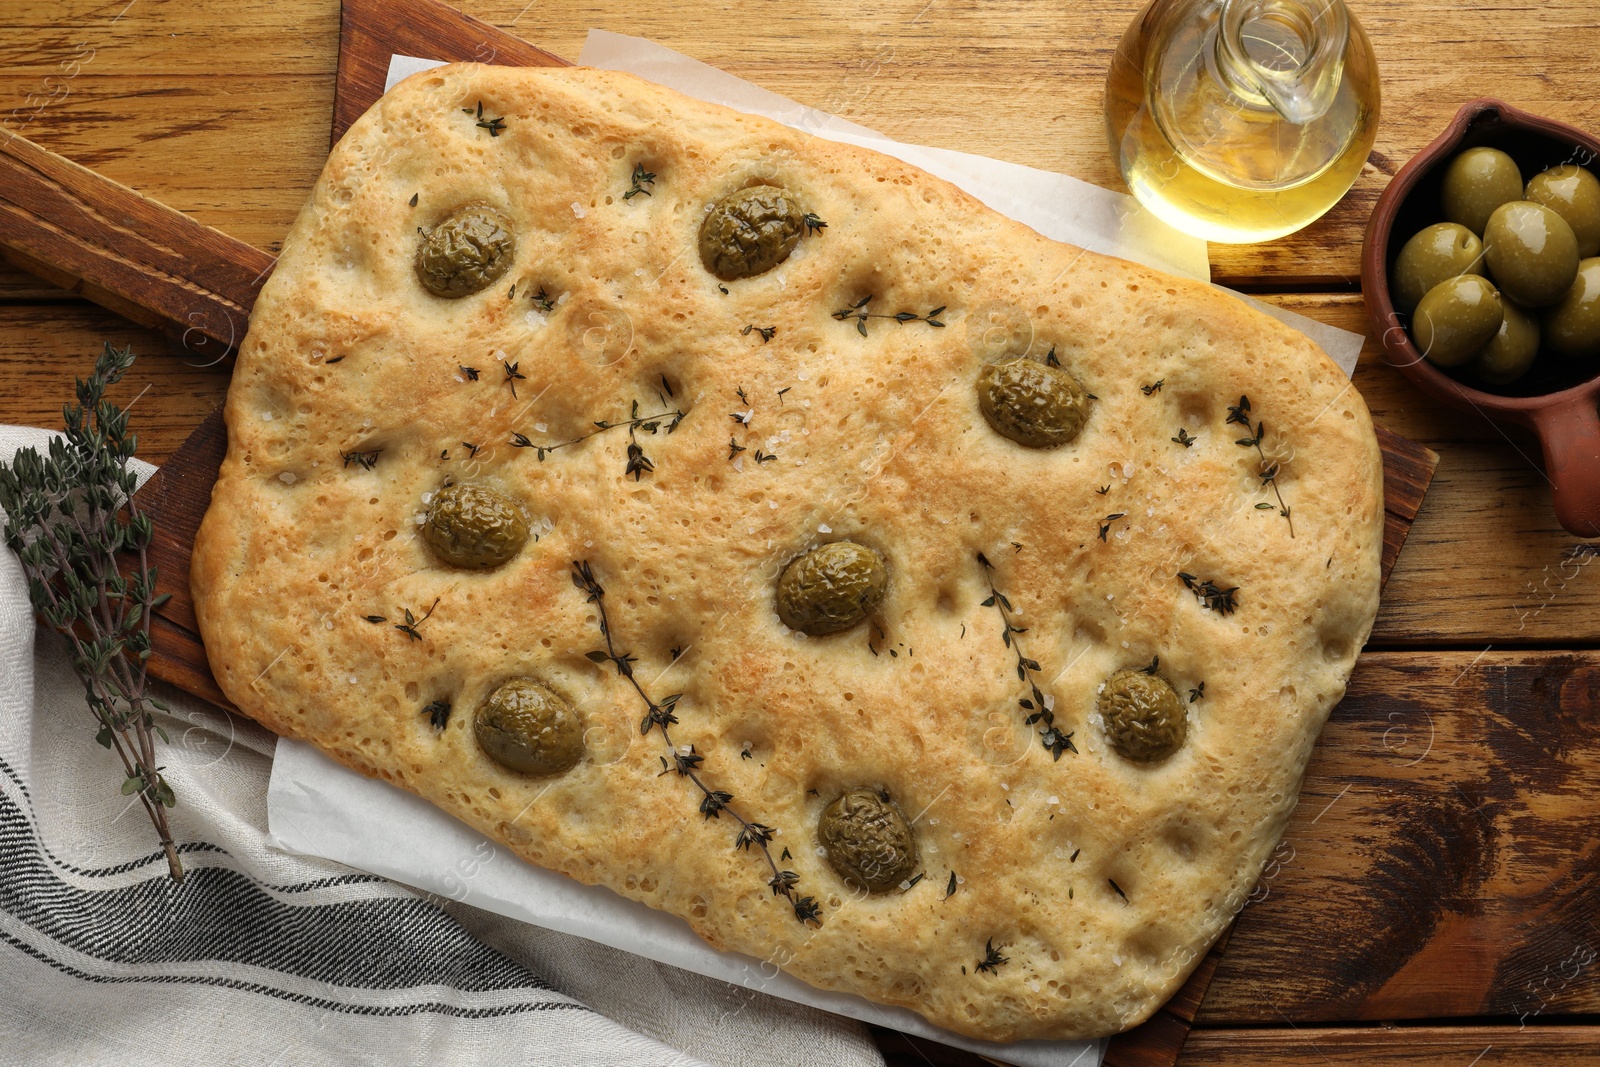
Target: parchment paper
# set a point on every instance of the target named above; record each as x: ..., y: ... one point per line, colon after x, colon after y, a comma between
x: 317, y: 807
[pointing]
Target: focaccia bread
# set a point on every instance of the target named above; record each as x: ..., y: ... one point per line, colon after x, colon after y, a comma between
x: 990, y: 592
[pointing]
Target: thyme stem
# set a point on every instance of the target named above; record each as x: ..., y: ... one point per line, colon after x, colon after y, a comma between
x: 661, y: 714
x: 1034, y: 704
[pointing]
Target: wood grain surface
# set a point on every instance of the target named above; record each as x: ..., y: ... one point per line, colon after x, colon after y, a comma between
x: 127, y: 253
x: 1457, y: 908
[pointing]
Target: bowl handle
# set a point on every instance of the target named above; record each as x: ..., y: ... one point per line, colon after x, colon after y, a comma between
x: 1570, y: 434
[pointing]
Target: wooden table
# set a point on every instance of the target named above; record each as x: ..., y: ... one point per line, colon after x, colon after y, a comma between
x: 1437, y: 897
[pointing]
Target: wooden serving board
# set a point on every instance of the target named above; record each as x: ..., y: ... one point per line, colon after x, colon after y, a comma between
x: 160, y: 268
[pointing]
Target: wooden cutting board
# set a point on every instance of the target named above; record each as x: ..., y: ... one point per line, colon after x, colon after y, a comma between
x: 162, y: 269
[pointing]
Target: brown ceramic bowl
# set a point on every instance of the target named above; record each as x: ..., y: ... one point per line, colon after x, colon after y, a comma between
x: 1558, y: 400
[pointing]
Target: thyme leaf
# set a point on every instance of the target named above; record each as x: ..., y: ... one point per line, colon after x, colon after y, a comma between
x: 637, y: 463
x: 1269, y: 470
x: 992, y: 960
x: 766, y: 332
x: 365, y: 460
x: 641, y: 178
x: 1153, y: 387
x: 1184, y: 438
x: 1220, y: 600
x: 410, y: 626
x: 438, y: 713
x: 494, y: 126
x: 513, y: 376
x: 814, y: 224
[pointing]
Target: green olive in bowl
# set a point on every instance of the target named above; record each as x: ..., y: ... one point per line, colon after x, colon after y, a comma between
x: 1574, y: 194
x: 831, y: 588
x: 1456, y: 319
x: 867, y: 840
x: 1531, y: 252
x: 466, y: 253
x: 1475, y: 183
x: 1511, y: 351
x: 1572, y: 327
x: 1434, y: 253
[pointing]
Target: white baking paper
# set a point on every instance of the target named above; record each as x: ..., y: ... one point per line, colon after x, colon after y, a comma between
x: 317, y: 807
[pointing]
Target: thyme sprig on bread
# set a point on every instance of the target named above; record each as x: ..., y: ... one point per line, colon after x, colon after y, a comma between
x: 638, y: 463
x: 1050, y: 735
x: 1270, y: 468
x: 685, y: 760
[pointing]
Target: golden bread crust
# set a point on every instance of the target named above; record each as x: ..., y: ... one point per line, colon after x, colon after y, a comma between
x: 878, y: 438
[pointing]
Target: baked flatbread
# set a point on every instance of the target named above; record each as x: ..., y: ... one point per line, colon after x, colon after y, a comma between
x: 1214, y: 526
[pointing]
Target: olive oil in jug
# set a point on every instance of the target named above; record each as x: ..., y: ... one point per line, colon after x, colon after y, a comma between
x: 1242, y: 120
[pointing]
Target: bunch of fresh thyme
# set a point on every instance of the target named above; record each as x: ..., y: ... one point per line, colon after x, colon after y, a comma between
x: 69, y: 517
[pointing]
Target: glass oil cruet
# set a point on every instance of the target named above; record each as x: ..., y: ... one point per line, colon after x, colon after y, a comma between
x: 1242, y: 120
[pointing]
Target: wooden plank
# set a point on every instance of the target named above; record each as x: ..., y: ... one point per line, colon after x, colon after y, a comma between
x: 1445, y: 856
x: 240, y: 160
x: 43, y: 348
x: 1016, y: 79
x: 126, y: 252
x: 1413, y: 1046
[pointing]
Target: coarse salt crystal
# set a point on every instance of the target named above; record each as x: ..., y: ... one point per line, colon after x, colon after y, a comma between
x: 577, y: 210
x: 287, y: 478
x: 824, y: 528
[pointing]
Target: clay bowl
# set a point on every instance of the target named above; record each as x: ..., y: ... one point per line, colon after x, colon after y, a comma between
x: 1557, y: 400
